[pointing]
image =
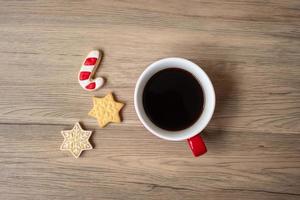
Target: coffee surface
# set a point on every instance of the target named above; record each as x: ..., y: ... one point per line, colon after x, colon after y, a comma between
x: 173, y: 99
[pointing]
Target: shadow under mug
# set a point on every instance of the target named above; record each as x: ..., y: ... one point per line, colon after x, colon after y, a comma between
x: 192, y: 133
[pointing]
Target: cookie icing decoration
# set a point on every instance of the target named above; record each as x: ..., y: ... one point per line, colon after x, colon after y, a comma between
x: 88, y: 70
x: 76, y: 140
x: 106, y: 110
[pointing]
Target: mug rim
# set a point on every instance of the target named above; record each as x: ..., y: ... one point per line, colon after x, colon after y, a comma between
x: 205, y: 83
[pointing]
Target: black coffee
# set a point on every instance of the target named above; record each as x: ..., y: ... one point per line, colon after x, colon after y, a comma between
x: 173, y: 99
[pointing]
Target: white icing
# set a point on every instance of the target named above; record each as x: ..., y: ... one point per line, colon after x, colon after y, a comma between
x: 99, y: 81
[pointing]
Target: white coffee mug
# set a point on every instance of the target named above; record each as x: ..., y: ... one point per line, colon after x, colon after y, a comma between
x: 192, y: 133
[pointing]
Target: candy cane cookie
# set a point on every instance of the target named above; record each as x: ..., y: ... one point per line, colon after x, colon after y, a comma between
x: 87, y: 71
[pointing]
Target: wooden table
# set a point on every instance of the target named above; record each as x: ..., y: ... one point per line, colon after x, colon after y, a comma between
x: 250, y: 49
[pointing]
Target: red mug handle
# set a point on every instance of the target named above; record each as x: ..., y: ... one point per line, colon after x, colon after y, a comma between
x: 197, y: 145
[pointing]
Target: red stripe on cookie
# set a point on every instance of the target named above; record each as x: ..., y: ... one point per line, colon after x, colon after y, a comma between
x: 84, y: 75
x: 90, y: 61
x: 91, y: 86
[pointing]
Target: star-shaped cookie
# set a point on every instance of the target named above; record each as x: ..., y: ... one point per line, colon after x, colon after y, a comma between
x: 106, y: 110
x: 76, y: 140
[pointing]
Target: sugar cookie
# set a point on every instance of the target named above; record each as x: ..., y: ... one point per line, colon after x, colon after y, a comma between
x: 76, y: 140
x: 87, y: 71
x: 106, y: 110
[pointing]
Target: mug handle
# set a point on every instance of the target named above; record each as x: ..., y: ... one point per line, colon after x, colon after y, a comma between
x: 197, y: 145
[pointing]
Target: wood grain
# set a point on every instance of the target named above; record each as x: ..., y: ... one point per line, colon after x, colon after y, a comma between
x: 250, y: 49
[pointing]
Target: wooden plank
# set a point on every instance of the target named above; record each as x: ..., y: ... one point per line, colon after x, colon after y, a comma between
x: 131, y: 163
